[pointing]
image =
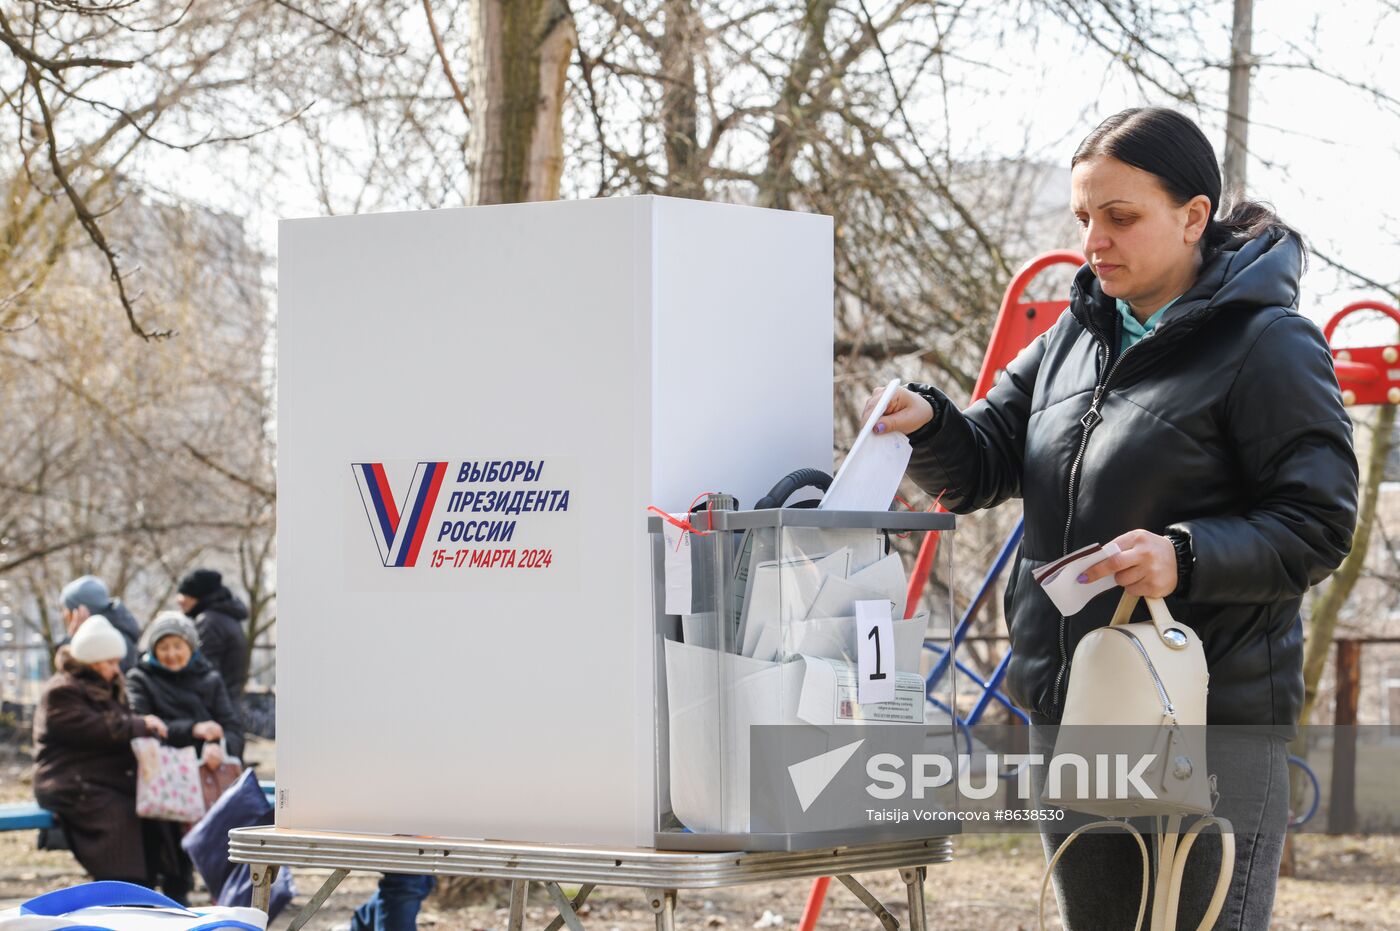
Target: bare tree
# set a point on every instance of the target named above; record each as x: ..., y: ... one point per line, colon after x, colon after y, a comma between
x: 134, y: 460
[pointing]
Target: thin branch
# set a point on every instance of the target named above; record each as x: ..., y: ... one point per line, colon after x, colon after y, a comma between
x: 442, y: 57
x: 146, y: 134
x: 335, y: 30
x: 94, y: 535
x: 85, y: 9
x: 940, y: 184
x: 85, y: 215
x: 9, y: 301
x: 202, y: 458
x: 55, y: 65
x: 1391, y: 290
x: 623, y: 17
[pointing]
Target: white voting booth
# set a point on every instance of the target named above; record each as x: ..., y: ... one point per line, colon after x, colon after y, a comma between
x: 475, y: 408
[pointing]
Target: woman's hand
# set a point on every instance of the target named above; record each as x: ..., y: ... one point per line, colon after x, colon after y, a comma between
x: 213, y: 756
x: 155, y: 725
x: 210, y: 730
x: 1145, y: 567
x: 905, y: 413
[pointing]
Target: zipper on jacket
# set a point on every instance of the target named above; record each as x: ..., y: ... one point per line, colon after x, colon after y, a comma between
x: 1091, y: 419
x: 1167, y: 706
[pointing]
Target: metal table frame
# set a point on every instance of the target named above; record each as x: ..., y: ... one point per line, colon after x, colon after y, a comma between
x: 659, y: 873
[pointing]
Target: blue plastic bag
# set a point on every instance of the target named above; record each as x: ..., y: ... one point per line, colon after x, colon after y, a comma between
x: 243, y: 806
x: 119, y: 906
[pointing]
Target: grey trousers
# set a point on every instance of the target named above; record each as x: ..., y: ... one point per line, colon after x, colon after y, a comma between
x: 1098, y: 882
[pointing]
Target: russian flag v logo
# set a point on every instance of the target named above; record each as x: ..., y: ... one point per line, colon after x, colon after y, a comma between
x: 399, y: 530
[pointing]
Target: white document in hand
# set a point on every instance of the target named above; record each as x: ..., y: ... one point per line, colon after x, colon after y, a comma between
x: 1061, y: 579
x: 870, y: 476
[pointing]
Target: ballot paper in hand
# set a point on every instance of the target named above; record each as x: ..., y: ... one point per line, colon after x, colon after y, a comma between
x: 870, y: 476
x: 1060, y: 579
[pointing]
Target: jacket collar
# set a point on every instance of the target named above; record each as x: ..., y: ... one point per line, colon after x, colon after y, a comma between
x: 1242, y: 275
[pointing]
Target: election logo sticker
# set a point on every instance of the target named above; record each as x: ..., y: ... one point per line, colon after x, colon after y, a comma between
x: 461, y: 525
x: 399, y: 548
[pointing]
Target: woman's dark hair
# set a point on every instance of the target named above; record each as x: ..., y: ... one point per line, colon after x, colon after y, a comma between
x: 1172, y: 147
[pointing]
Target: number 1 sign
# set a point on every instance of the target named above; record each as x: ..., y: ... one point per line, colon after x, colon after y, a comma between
x: 875, y: 641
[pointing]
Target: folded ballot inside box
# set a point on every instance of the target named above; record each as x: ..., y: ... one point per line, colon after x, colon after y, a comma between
x: 786, y: 652
x: 714, y: 701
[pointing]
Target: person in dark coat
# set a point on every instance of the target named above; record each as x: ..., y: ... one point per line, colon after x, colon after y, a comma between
x: 88, y: 595
x: 1184, y: 410
x: 219, y: 616
x: 84, y: 771
x: 173, y: 680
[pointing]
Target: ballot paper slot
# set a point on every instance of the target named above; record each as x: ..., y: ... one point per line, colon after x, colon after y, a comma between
x: 796, y: 619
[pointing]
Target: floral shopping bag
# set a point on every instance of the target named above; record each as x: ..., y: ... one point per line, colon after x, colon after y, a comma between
x: 167, y: 781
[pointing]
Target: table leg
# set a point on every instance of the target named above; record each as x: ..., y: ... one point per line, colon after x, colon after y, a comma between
x: 583, y: 893
x: 264, y: 874
x: 914, y: 880
x: 564, y: 906
x: 663, y: 903
x: 519, y: 892
x: 889, y: 922
x: 317, y: 900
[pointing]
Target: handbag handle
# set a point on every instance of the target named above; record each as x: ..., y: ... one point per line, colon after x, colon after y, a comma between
x: 1167, y: 628
x: 104, y: 893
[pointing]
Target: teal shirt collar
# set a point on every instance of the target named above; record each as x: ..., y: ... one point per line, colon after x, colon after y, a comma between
x: 1134, y: 331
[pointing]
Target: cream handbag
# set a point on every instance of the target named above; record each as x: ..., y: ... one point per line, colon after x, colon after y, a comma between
x: 1140, y: 690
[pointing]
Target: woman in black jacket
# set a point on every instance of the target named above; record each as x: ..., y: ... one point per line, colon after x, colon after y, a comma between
x: 1183, y: 409
x: 173, y: 681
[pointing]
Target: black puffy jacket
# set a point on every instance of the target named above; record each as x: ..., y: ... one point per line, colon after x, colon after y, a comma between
x: 183, y: 698
x: 219, y: 618
x: 1224, y: 423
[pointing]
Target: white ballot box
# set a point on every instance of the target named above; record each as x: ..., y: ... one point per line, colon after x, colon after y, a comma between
x: 475, y: 408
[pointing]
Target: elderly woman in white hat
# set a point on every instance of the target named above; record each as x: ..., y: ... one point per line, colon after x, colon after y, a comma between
x: 84, y: 771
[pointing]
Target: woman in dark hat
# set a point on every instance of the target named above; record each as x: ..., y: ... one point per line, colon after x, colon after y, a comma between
x: 219, y: 617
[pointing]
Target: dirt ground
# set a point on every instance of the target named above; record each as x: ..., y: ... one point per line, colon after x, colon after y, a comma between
x: 991, y: 885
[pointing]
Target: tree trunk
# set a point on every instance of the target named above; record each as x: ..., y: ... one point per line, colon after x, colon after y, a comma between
x: 679, y: 98
x: 1323, y: 623
x: 785, y: 140
x: 1237, y: 110
x: 520, y: 55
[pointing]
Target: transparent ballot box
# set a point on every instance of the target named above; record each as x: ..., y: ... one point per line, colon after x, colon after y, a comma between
x: 786, y: 670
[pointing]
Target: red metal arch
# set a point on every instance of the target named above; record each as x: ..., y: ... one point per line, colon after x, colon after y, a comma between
x: 1366, y: 374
